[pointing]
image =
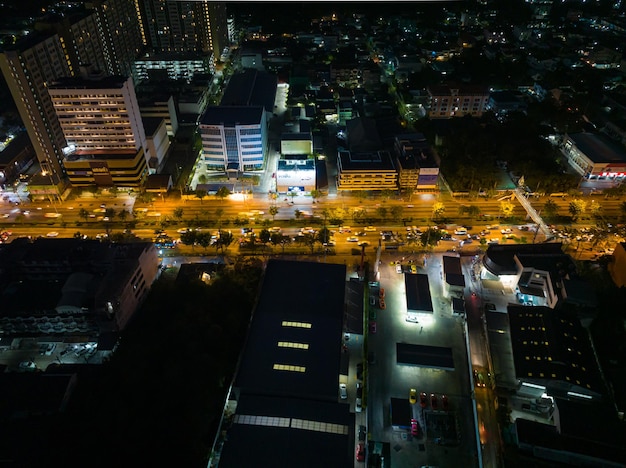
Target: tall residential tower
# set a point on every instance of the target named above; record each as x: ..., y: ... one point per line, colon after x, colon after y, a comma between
x: 185, y: 25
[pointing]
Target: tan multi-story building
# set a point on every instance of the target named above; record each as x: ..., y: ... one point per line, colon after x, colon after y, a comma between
x: 448, y: 101
x: 98, y: 112
x: 106, y: 141
x: 366, y: 171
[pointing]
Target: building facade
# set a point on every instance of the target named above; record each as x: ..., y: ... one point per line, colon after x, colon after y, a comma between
x: 234, y: 139
x: 366, y: 171
x: 27, y: 68
x: 449, y: 101
x: 184, y: 25
x: 106, y: 141
x: 174, y: 66
x: 595, y: 156
x: 98, y: 112
x: 417, y: 163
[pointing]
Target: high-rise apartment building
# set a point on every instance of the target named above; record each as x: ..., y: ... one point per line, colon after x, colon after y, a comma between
x: 106, y: 34
x: 28, y: 67
x: 102, y: 124
x: 185, y: 25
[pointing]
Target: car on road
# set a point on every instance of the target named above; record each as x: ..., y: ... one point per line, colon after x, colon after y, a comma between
x: 414, y: 269
x: 370, y: 228
x: 433, y: 401
x: 343, y: 229
x: 460, y: 231
x: 343, y: 391
x: 381, y: 304
x: 359, y: 371
x: 479, y: 380
x: 412, y: 396
x: 373, y: 327
x: 352, y: 239
x: 423, y: 400
x: 381, y: 293
x: 444, y: 402
x: 506, y: 231
x: 52, y: 234
x: 360, y: 452
x: 414, y: 427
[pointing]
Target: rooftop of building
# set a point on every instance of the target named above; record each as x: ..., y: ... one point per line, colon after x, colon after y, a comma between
x: 230, y: 116
x: 551, y: 345
x: 90, y: 82
x: 288, y: 379
x: 151, y: 125
x: 306, y: 322
x: 13, y: 149
x: 371, y: 161
x: 251, y: 88
x: 599, y: 148
x: 414, y: 152
x: 500, y: 258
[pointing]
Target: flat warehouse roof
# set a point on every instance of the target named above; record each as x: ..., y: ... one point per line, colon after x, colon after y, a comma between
x: 424, y: 356
x: 290, y: 349
x: 417, y: 292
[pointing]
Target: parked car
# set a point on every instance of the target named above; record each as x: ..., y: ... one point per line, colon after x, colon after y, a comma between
x: 398, y: 268
x: 360, y: 452
x: 414, y: 427
x: 412, y: 396
x: 27, y: 366
x: 362, y: 433
x: 423, y: 400
x: 373, y: 327
x: 343, y: 391
x: 381, y: 304
x: 444, y: 402
x: 433, y: 401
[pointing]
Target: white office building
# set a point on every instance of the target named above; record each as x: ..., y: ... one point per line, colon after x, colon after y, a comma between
x: 234, y: 138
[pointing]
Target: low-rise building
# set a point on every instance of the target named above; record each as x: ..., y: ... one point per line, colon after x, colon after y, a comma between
x: 417, y: 163
x: 295, y: 175
x: 446, y: 101
x: 366, y: 171
x: 595, y: 156
x: 84, y: 287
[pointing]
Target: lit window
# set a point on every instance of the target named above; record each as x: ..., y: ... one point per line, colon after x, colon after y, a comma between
x: 290, y: 368
x: 296, y: 324
x: 288, y: 344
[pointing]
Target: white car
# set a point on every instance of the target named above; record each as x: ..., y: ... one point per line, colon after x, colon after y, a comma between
x: 352, y: 239
x: 398, y: 268
x: 52, y: 234
x: 343, y: 391
x: 370, y: 228
x: 506, y: 231
x: 28, y: 365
